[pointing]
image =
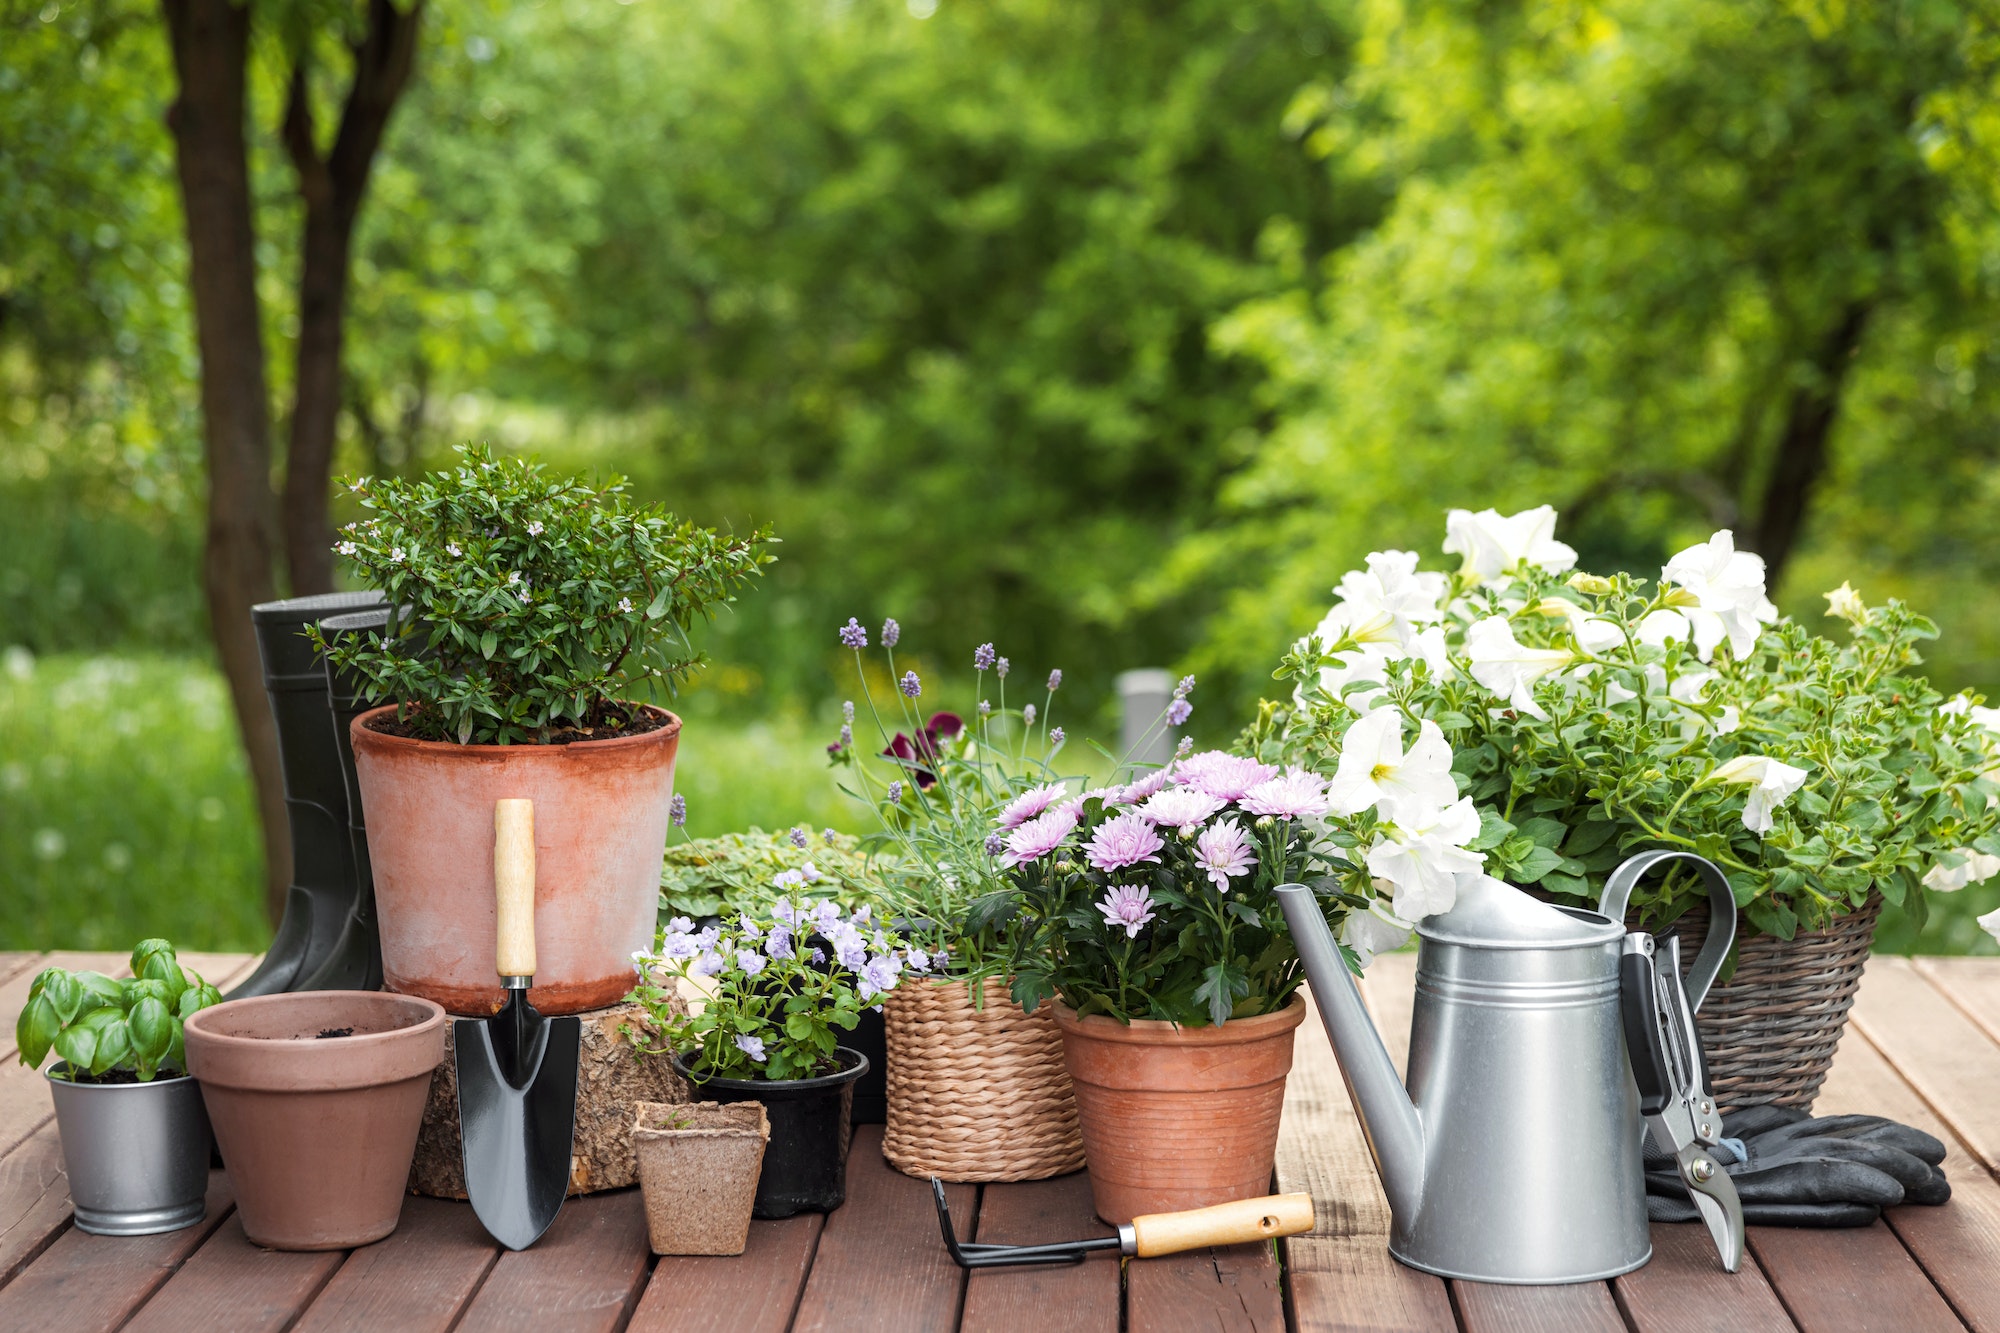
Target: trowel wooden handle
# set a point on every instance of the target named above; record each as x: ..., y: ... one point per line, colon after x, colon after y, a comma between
x: 1224, y: 1224
x: 514, y: 886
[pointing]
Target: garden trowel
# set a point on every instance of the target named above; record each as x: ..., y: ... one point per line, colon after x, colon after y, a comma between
x: 516, y: 1070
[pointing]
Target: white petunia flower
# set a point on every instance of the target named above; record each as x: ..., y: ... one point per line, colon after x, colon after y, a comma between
x: 1422, y: 859
x: 1509, y: 668
x: 1655, y: 628
x: 1374, y: 931
x: 1493, y: 544
x: 1722, y: 594
x: 1386, y: 603
x: 1990, y: 923
x: 1376, y: 771
x: 1974, y: 867
x: 1846, y: 603
x: 1594, y: 634
x: 1770, y: 782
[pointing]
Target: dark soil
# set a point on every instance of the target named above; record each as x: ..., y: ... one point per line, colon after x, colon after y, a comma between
x: 604, y: 722
x: 324, y: 1033
x: 121, y: 1077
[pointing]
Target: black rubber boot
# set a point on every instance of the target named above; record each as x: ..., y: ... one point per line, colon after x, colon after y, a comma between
x: 356, y: 960
x: 322, y: 888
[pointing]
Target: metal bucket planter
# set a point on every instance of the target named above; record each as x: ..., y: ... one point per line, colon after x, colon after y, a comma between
x: 136, y: 1153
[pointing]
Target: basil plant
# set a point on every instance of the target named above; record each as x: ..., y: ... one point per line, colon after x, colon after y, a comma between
x: 100, y: 1025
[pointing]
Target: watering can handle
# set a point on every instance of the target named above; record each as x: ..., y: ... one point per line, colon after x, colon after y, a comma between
x: 1721, y: 911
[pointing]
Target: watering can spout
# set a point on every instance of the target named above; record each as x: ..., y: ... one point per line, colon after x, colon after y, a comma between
x: 1389, y: 1119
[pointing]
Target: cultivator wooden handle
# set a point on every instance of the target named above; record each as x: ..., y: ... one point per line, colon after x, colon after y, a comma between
x: 1236, y: 1223
x: 514, y: 887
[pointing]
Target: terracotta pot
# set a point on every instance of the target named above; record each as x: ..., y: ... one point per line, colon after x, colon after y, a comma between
x: 1178, y: 1117
x: 698, y: 1168
x: 317, y: 1132
x: 600, y: 831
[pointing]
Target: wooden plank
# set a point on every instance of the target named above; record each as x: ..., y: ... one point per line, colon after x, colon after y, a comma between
x: 1226, y: 1287
x: 1684, y: 1290
x: 881, y: 1264
x: 1081, y: 1297
x: 754, y: 1292
x: 1937, y: 1049
x: 34, y: 1200
x: 1581, y: 1307
x: 1850, y: 1281
x: 1958, y: 1244
x: 416, y: 1280
x: 1341, y: 1274
x: 230, y: 1283
x: 584, y: 1276
x: 1973, y: 984
x: 12, y: 964
x: 1391, y: 992
x: 84, y: 1282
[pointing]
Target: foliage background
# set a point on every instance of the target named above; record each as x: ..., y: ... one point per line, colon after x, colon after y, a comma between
x: 1110, y: 334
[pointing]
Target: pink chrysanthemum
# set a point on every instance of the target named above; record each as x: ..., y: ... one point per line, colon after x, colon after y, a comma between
x: 1224, y: 776
x: 1154, y: 781
x: 1223, y: 851
x: 1038, y: 837
x: 1294, y: 796
x: 1180, y: 807
x: 1127, y: 905
x: 1124, y: 841
x: 1031, y: 803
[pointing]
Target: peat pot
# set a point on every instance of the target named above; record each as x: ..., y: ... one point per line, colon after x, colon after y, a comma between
x: 136, y: 1154
x: 698, y: 1168
x: 316, y: 1098
x: 1178, y: 1117
x: 600, y: 831
x: 805, y: 1162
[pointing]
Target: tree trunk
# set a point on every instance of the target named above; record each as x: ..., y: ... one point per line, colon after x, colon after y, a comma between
x: 332, y: 188
x: 210, y: 40
x: 1802, y: 446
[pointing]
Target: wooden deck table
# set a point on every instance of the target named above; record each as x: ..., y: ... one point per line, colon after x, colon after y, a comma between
x: 1924, y: 1048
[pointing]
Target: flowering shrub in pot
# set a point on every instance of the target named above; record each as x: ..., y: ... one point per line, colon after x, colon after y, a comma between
x: 1584, y: 717
x: 135, y: 1139
x: 527, y: 611
x: 774, y: 993
x: 1146, y: 911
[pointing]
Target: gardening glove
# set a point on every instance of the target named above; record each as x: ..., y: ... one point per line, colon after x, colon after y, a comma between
x: 1793, y: 1170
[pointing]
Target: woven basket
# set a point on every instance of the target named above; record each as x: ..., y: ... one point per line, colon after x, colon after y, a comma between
x: 1770, y: 1031
x: 976, y: 1094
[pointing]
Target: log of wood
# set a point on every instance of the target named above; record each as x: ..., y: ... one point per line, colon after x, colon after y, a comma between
x: 612, y: 1079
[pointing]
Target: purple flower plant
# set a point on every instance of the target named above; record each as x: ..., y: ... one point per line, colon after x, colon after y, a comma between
x: 895, y: 793
x: 1123, y: 840
x: 1000, y: 666
x: 798, y: 836
x: 1294, y: 796
x: 1056, y: 737
x: 891, y: 632
x: 1223, y: 851
x: 878, y: 975
x: 1028, y: 715
x: 1030, y: 803
x: 1127, y: 905
x: 751, y: 963
x: 1222, y: 775
x: 779, y: 943
x: 1180, y: 807
x: 995, y: 844
x: 1185, y: 688
x: 1178, y: 712
x: 1154, y: 781
x: 677, y: 811
x: 751, y: 1046
x: 852, y: 635
x: 909, y: 684
x: 1040, y: 836
x: 847, y: 710
x: 1055, y: 680
x: 982, y: 657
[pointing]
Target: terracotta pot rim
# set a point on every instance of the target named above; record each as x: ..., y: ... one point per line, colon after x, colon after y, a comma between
x: 361, y: 733
x: 1160, y: 1032
x: 311, y: 1064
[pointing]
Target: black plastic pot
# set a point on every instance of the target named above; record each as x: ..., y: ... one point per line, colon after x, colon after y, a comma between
x: 871, y: 1093
x: 805, y: 1162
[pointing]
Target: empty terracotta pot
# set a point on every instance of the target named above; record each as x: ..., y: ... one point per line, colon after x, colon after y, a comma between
x: 1178, y: 1117
x: 600, y: 831
x: 316, y: 1098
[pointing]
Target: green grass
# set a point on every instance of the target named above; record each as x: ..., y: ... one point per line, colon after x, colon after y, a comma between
x: 125, y: 807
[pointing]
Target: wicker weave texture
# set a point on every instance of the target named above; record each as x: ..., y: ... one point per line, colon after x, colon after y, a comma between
x: 976, y: 1094
x: 1770, y: 1031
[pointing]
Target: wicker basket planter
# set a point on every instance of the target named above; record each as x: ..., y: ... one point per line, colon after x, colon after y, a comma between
x: 1770, y: 1031
x: 976, y: 1094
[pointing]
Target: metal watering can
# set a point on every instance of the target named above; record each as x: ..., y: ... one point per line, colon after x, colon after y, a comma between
x: 1514, y: 1155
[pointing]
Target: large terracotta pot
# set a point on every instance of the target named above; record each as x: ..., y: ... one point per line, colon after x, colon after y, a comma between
x: 1178, y: 1117
x: 316, y: 1098
x: 600, y: 831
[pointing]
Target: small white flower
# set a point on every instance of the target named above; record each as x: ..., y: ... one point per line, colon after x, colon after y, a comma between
x: 346, y: 548
x: 451, y: 549
x: 1493, y: 544
x: 1990, y: 923
x: 1770, y: 782
x: 513, y: 577
x: 396, y: 555
x: 625, y: 605
x: 1375, y: 770
x: 1974, y: 867
x: 1721, y: 592
x: 1846, y: 603
x: 1508, y: 667
x: 535, y: 528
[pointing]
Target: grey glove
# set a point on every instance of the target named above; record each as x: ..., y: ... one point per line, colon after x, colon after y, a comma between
x: 1792, y: 1170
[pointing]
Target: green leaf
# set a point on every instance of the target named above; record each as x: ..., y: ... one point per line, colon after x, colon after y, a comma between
x: 35, y: 1031
x: 1493, y: 830
x: 1538, y: 862
x: 1546, y: 832
x: 151, y: 1027
x: 77, y: 1045
x: 487, y: 643
x: 1588, y: 836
